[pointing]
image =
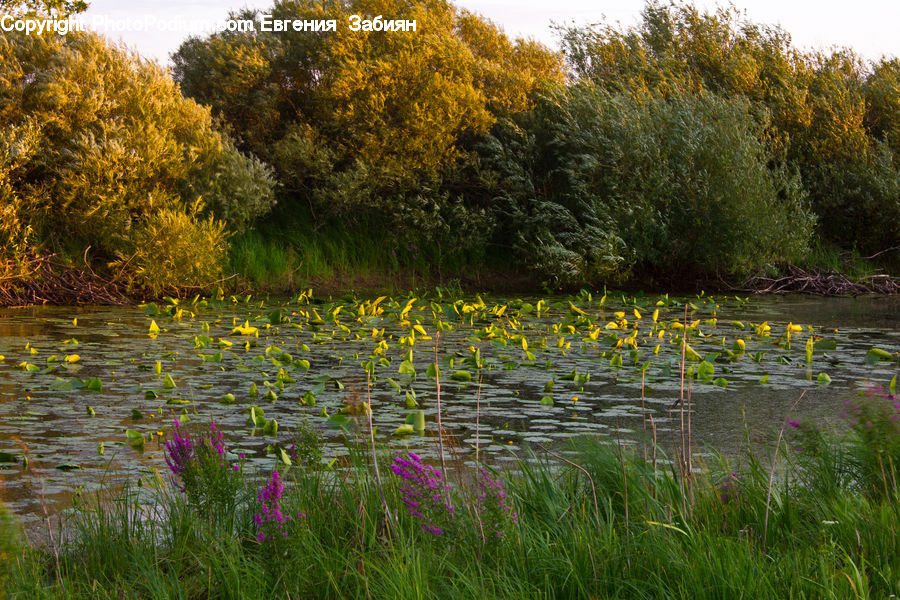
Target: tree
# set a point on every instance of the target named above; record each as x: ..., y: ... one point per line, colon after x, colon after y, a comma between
x: 360, y: 123
x: 828, y: 115
x: 97, y: 147
x: 44, y: 7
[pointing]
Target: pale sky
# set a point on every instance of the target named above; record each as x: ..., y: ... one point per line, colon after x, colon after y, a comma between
x: 871, y: 27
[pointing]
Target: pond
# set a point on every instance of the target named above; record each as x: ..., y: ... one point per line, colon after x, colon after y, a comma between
x: 89, y: 395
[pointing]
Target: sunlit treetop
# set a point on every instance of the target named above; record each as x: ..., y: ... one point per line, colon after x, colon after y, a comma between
x: 44, y: 7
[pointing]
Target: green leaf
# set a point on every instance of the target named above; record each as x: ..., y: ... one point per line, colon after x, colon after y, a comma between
x: 168, y: 382
x: 136, y: 415
x: 256, y: 418
x: 134, y: 438
x: 93, y: 384
x: 706, y: 370
x: 721, y: 382
x: 227, y: 399
x: 407, y: 368
x: 547, y: 401
x: 433, y: 371
x: 339, y: 421
x: 893, y: 385
x: 270, y: 428
x: 823, y: 378
x: 877, y: 354
x: 404, y: 429
x: 461, y: 376
x: 62, y: 385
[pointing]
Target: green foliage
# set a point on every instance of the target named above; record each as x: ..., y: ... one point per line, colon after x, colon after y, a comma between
x: 598, y: 183
x: 16, y: 147
x: 10, y: 546
x: 100, y: 149
x: 45, y: 7
x: 367, y: 124
x: 617, y: 528
x: 179, y: 246
x: 832, y: 115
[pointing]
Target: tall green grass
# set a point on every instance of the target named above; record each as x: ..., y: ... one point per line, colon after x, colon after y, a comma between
x: 286, y: 252
x: 614, y: 527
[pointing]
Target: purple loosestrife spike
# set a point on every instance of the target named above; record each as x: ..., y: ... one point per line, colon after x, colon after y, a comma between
x: 179, y: 451
x: 270, y: 515
x: 422, y: 491
x: 217, y: 439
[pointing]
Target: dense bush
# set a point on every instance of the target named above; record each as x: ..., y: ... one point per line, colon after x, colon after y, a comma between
x: 366, y: 124
x: 834, y: 115
x: 596, y: 183
x: 97, y: 146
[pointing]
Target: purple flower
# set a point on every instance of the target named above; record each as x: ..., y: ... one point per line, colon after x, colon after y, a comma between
x: 270, y: 516
x: 493, y: 504
x: 730, y: 491
x: 216, y: 439
x: 794, y: 424
x: 423, y: 492
x: 179, y: 451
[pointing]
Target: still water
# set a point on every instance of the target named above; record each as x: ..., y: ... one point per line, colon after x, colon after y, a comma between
x: 539, y: 372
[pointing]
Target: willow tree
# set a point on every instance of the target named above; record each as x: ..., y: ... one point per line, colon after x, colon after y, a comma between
x: 362, y: 122
x: 99, y: 149
x: 828, y: 115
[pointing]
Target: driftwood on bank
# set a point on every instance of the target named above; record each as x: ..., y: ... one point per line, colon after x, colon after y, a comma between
x: 42, y: 280
x: 821, y: 282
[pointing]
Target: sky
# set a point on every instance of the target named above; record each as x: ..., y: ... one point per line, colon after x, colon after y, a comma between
x: 868, y: 26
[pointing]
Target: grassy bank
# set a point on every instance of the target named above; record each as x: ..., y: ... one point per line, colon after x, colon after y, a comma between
x: 818, y: 517
x: 286, y: 254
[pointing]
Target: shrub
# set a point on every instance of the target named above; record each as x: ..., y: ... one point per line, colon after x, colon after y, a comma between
x: 175, y: 247
x: 595, y: 183
x: 99, y: 148
x: 832, y: 114
x: 366, y: 125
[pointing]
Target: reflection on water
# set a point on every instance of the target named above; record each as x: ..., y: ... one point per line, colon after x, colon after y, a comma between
x: 52, y: 427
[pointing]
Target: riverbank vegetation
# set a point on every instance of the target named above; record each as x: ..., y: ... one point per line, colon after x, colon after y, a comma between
x: 694, y: 146
x: 816, y: 517
x: 630, y: 512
